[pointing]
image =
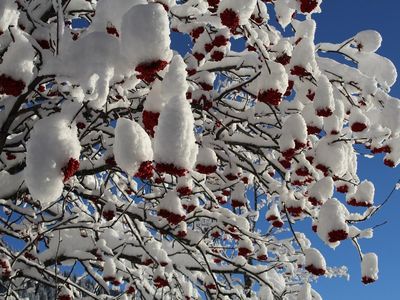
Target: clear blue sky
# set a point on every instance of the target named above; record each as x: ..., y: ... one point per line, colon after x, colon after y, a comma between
x: 340, y: 20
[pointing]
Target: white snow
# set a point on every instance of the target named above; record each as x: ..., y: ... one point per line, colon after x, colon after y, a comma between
x: 322, y: 190
x: 18, y: 61
x: 369, y: 266
x: 331, y: 218
x: 324, y: 95
x: 173, y: 84
x: 368, y: 40
x: 8, y: 14
x: 132, y: 146
x: 174, y: 141
x: 273, y: 77
x: 314, y: 258
x: 244, y: 9
x: 56, y: 140
x: 364, y: 193
x: 147, y: 23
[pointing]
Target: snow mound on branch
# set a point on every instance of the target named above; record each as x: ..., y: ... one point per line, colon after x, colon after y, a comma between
x: 272, y: 83
x: 378, y: 67
x: 315, y: 262
x: 369, y: 267
x: 148, y: 24
x: 93, y: 71
x: 332, y: 226
x: 17, y: 67
x: 338, y: 157
x: 321, y: 191
x: 294, y: 134
x: 324, y: 103
x: 8, y: 14
x: 132, y: 146
x: 174, y: 141
x: 283, y: 13
x: 368, y: 40
x: 305, y: 292
x: 206, y: 161
x: 243, y: 9
x: 303, y: 56
x: 173, y: 84
x: 363, y: 196
x: 110, y: 12
x: 53, y: 139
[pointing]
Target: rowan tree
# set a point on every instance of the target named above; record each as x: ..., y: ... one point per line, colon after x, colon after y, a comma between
x: 166, y: 175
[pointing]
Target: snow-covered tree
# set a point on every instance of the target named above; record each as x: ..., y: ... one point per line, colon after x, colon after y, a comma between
x: 156, y: 174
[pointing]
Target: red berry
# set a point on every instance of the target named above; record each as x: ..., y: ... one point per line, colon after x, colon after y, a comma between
x: 251, y: 48
x: 244, y: 252
x: 314, y: 201
x: 150, y: 120
x: 324, y: 112
x: 283, y: 59
x: 170, y: 169
x: 220, y: 41
x: 388, y: 162
x: 323, y: 169
x: 303, y: 171
x: 145, y: 170
x: 10, y: 86
x: 217, y: 55
x: 367, y: 280
x: 111, y: 161
x: 354, y: 202
x: 184, y: 191
x: 230, y: 19
x: 316, y: 271
x: 148, y: 71
x: 211, y: 286
x: 358, y: 127
x: 195, y: 33
x: 337, y: 235
x: 213, y: 2
x: 208, y: 47
x: 191, y: 72
x: 112, y: 30
x: 70, y: 169
x: 44, y: 44
x: 108, y: 214
x: 299, y: 71
x: 294, y: 211
x: 262, y: 257
x: 198, y: 56
x: 342, y: 189
x: 160, y: 282
x: 382, y: 149
x: 307, y: 6
x: 80, y: 125
x: 205, y: 169
x: 42, y: 88
x: 277, y: 223
x: 285, y: 163
x: 10, y: 156
x: 131, y: 289
x: 237, y: 203
x: 289, y: 88
x: 310, y: 95
x: 313, y: 129
x: 271, y: 96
